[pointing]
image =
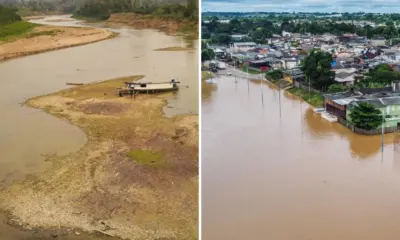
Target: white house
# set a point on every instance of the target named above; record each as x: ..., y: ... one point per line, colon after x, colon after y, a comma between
x: 238, y: 37
x: 289, y: 63
x: 345, y: 75
x: 378, y: 42
x: 243, y: 46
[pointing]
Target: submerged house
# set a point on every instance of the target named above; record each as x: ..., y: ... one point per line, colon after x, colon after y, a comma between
x: 336, y: 103
x: 386, y: 99
x: 389, y: 106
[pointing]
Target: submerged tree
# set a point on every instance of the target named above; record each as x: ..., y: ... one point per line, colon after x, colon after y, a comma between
x: 366, y: 116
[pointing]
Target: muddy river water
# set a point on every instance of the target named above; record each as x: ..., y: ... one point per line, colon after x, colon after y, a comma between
x: 295, y: 177
x: 27, y: 135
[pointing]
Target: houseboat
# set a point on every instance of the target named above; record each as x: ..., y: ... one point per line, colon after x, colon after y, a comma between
x: 149, y: 87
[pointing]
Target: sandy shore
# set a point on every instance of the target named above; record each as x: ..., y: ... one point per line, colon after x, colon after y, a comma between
x: 136, y: 178
x: 47, y: 38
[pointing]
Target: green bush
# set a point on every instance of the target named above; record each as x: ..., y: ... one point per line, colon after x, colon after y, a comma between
x: 8, y: 15
x: 15, y: 29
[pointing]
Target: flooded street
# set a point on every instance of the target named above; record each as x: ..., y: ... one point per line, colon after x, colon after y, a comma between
x: 27, y: 135
x: 295, y: 177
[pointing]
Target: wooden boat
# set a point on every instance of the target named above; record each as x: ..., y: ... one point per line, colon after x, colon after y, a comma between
x: 149, y: 87
x: 74, y: 84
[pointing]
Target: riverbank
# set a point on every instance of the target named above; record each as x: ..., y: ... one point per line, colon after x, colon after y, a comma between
x: 313, y: 99
x: 167, y: 25
x: 136, y: 177
x: 43, y: 38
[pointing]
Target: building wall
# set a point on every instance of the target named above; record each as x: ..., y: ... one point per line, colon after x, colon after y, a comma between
x: 290, y: 65
x: 393, y: 111
x: 378, y: 42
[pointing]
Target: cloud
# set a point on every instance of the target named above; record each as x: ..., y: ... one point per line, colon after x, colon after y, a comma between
x: 383, y: 6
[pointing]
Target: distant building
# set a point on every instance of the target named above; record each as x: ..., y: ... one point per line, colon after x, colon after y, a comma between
x: 346, y: 76
x: 243, y: 46
x: 290, y: 62
x: 381, y: 41
x: 238, y: 37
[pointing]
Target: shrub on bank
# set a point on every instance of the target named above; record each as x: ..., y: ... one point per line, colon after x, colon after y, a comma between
x: 14, y: 29
x: 314, y: 99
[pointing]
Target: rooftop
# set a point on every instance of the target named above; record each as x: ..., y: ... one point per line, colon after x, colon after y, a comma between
x: 244, y: 44
x: 340, y: 95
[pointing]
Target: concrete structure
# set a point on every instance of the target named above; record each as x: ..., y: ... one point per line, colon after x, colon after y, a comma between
x: 243, y: 46
x: 238, y: 37
x: 378, y: 42
x: 389, y: 107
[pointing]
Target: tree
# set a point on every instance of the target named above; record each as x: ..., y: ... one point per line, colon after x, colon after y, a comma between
x: 222, y: 38
x: 274, y: 75
x: 317, y: 69
x: 366, y: 116
x: 207, y: 54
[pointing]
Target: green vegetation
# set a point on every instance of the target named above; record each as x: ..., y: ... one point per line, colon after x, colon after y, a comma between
x: 147, y: 158
x: 206, y: 75
x: 383, y: 74
x: 43, y: 33
x: 262, y: 27
x: 11, y: 25
x: 274, y: 75
x: 366, y: 116
x: 207, y: 54
x: 334, y: 88
x: 101, y: 10
x: 314, y: 99
x: 246, y: 69
x: 384, y: 18
x: 317, y: 69
x: 8, y: 15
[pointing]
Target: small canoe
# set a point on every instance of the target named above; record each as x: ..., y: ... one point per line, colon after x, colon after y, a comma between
x: 75, y: 84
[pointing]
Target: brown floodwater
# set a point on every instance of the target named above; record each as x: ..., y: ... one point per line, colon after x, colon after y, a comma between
x: 295, y: 177
x: 27, y: 135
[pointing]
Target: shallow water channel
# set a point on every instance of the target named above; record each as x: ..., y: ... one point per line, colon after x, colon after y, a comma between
x: 27, y: 135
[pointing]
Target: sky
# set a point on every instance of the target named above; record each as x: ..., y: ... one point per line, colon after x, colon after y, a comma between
x: 376, y: 6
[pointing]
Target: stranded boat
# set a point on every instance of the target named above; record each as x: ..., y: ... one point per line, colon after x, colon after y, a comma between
x: 148, y: 87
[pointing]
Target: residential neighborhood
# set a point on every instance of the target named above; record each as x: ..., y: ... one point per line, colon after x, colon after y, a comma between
x: 356, y: 68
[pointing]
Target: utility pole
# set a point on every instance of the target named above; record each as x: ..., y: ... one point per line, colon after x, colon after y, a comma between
x: 383, y: 133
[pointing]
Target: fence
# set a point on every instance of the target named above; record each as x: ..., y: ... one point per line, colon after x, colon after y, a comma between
x: 364, y: 131
x: 305, y: 87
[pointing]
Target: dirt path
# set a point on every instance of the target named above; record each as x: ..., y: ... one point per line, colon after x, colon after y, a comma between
x: 47, y: 38
x: 136, y: 178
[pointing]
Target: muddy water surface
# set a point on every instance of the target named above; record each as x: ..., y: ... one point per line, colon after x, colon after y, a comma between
x: 27, y: 135
x: 298, y: 177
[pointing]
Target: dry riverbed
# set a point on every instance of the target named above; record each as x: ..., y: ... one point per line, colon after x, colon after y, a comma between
x: 136, y: 178
x: 47, y: 38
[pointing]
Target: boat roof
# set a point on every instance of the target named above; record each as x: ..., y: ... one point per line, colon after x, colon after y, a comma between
x: 140, y: 83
